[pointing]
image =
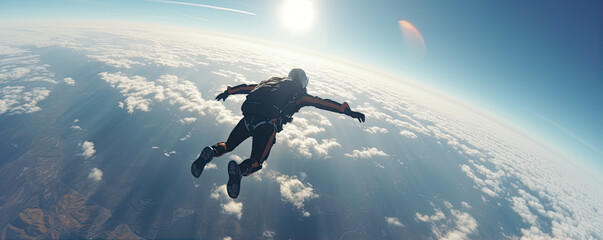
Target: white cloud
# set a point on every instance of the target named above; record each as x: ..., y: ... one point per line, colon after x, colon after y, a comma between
x: 167, y: 154
x: 297, y: 135
x: 24, y: 82
x: 137, y: 90
x: 379, y: 165
x: 393, y: 221
x: 231, y: 76
x: 154, y: 147
x: 210, y: 166
x: 465, y: 205
x: 228, y: 205
x: 489, y: 192
x: 187, y: 120
x: 322, y: 149
x: 316, y: 118
x: 76, y: 127
x: 460, y: 226
x: 16, y: 100
x: 69, y: 81
x: 114, y: 60
x: 404, y: 122
x: 227, y: 238
x: 366, y: 153
x: 520, y: 206
x: 295, y: 192
x: 41, y: 79
x: 465, y: 226
x: 437, y: 216
x: 188, y: 135
x: 16, y: 73
x: 369, y: 110
x: 6, y: 50
x: 237, y: 158
x: 375, y: 129
x: 268, y: 234
x: 292, y: 189
x: 96, y: 174
x: 88, y: 149
x: 483, y: 185
x: 233, y: 208
x: 533, y: 233
x: 25, y: 68
x: 140, y: 94
x: 408, y: 134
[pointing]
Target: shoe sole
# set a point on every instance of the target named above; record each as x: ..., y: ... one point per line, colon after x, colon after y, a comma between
x: 234, y: 179
x: 196, y: 168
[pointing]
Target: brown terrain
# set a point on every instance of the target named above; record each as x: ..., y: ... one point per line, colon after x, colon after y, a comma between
x: 38, y: 205
x: 34, y: 202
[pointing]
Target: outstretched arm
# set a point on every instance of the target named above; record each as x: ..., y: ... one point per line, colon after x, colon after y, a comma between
x: 329, y: 105
x: 239, y: 89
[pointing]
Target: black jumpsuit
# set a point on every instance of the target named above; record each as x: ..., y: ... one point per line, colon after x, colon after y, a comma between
x: 263, y: 130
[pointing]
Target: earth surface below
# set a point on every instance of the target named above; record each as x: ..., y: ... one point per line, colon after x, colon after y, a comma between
x: 99, y: 127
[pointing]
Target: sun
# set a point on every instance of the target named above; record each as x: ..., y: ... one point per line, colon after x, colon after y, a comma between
x: 298, y: 15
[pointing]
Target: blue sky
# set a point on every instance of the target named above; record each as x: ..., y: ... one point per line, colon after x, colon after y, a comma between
x: 537, y: 64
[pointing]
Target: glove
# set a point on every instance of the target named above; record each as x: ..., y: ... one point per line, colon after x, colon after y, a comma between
x: 356, y: 115
x: 222, y: 96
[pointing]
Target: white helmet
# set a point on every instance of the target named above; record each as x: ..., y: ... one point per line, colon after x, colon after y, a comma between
x: 297, y: 74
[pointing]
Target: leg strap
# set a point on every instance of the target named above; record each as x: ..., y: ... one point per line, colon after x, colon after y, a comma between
x: 219, y: 149
x: 250, y: 166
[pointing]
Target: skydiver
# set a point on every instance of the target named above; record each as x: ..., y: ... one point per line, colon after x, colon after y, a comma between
x: 269, y: 105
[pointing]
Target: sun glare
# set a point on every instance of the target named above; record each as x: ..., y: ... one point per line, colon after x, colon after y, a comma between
x: 298, y: 15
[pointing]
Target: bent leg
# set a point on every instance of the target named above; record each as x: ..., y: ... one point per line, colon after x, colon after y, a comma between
x: 263, y: 139
x: 238, y: 134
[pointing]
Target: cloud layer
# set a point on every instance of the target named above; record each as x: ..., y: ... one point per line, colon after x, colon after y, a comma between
x: 140, y: 94
x: 24, y: 81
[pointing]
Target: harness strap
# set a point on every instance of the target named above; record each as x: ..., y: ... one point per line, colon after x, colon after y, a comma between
x: 247, y: 124
x: 250, y: 126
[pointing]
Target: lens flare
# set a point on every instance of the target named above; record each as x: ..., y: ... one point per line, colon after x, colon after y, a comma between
x: 413, y: 40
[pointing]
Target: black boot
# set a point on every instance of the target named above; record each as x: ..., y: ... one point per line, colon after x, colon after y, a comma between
x: 234, y: 179
x: 204, y: 158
